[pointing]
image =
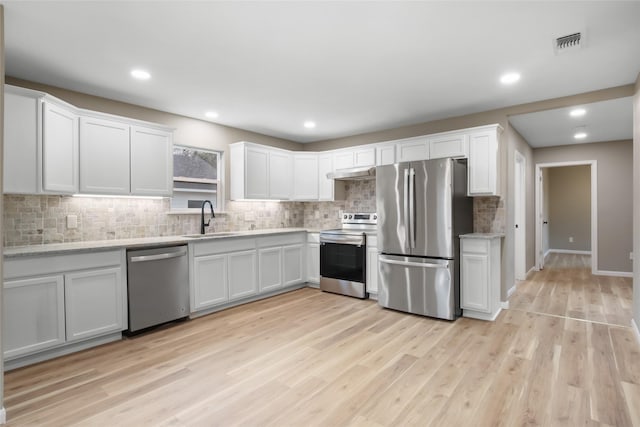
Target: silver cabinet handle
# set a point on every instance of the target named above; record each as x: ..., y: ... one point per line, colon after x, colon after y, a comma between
x: 168, y: 255
x: 413, y: 264
x: 412, y: 208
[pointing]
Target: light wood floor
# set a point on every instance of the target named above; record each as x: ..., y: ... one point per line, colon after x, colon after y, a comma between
x: 566, y: 288
x: 312, y: 358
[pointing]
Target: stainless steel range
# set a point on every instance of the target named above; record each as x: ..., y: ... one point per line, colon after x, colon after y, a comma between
x: 343, y: 255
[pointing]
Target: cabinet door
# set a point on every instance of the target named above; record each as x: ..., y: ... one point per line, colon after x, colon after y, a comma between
x: 372, y: 270
x: 293, y: 266
x: 270, y: 269
x: 256, y: 173
x: 313, y: 262
x: 279, y: 175
x: 385, y: 155
x: 242, y: 274
x: 210, y: 281
x: 413, y: 149
x: 343, y: 160
x: 151, y: 162
x: 20, y: 144
x: 475, y: 282
x: 326, y: 186
x: 305, y: 172
x: 364, y: 157
x: 104, y: 156
x: 59, y: 149
x: 450, y: 145
x: 33, y: 315
x: 483, y: 153
x: 93, y: 301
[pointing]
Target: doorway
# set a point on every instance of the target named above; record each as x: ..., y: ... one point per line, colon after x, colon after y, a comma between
x: 542, y: 226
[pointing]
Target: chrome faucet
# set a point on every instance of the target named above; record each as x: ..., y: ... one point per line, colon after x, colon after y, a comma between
x: 213, y: 215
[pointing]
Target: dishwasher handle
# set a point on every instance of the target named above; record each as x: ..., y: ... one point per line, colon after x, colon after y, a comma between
x: 166, y: 255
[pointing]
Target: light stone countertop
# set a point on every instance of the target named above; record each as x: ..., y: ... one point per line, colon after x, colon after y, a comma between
x: 481, y: 235
x: 138, y: 243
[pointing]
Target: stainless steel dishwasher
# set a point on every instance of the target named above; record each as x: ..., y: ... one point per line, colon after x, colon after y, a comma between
x: 158, y: 286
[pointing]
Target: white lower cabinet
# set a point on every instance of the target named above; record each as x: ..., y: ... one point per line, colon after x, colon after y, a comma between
x: 372, y: 265
x: 480, y: 276
x: 93, y: 303
x: 33, y: 315
x: 52, y: 301
x: 292, y: 257
x: 313, y: 258
x: 270, y: 268
x: 231, y: 270
x: 242, y: 274
x: 210, y: 276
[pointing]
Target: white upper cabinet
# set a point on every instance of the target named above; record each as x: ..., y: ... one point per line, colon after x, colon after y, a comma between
x: 59, y: 149
x: 305, y: 176
x: 385, y: 154
x: 325, y: 185
x: 151, y: 162
x: 51, y: 147
x: 21, y: 118
x: 412, y: 149
x: 260, y: 172
x: 449, y: 145
x: 104, y: 156
x: 484, y: 162
x: 354, y: 158
x: 280, y: 175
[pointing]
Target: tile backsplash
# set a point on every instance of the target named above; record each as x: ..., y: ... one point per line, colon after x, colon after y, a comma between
x: 34, y: 220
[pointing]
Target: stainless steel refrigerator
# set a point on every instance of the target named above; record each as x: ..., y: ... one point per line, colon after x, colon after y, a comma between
x: 422, y: 210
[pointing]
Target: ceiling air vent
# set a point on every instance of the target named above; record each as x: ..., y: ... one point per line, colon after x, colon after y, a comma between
x: 568, y: 43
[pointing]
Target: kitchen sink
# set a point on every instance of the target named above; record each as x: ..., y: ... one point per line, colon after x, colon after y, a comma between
x: 202, y: 236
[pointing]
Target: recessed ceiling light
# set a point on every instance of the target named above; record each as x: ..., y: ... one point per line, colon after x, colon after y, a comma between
x: 577, y: 112
x: 140, y: 74
x: 509, y: 78
x: 580, y: 133
x: 211, y: 114
x: 309, y: 124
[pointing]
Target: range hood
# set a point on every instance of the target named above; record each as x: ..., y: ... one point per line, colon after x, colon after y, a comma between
x: 353, y: 174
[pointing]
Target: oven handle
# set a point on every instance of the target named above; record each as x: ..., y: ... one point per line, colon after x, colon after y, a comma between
x: 413, y: 264
x: 343, y: 240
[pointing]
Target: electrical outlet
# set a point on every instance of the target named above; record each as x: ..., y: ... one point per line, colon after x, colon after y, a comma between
x: 72, y: 221
x: 570, y: 239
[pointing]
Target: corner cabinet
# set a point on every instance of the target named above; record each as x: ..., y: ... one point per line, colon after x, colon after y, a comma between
x: 59, y: 148
x: 480, y: 275
x: 305, y: 176
x: 259, y: 172
x: 151, y: 162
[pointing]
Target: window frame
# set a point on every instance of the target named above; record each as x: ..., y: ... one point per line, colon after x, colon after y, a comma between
x: 220, y: 187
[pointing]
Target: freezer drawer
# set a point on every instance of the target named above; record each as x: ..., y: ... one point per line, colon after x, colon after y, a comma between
x: 424, y: 286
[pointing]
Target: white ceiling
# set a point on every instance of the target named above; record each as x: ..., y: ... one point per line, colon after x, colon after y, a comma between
x: 610, y: 120
x: 352, y: 67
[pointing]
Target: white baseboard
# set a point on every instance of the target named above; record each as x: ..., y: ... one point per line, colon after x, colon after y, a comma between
x: 568, y: 251
x: 3, y: 416
x: 635, y: 328
x: 504, y: 305
x: 531, y: 270
x: 547, y: 253
x: 613, y: 273
x: 511, y: 291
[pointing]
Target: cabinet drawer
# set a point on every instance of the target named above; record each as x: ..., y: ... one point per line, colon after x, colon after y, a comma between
x: 478, y: 246
x: 29, y: 266
x: 224, y: 245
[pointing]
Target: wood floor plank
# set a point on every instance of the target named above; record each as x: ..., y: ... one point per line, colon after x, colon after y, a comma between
x: 556, y: 357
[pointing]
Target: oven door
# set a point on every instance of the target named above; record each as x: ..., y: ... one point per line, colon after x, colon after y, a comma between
x: 343, y: 268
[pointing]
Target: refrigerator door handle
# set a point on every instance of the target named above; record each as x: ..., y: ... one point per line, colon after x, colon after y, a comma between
x: 412, y: 208
x: 413, y: 264
x: 407, y: 223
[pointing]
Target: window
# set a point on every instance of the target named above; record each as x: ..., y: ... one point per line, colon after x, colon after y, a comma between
x: 197, y: 176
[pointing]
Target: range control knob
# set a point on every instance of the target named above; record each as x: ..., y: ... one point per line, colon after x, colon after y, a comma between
x: 350, y: 216
x: 344, y: 216
x: 375, y: 216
